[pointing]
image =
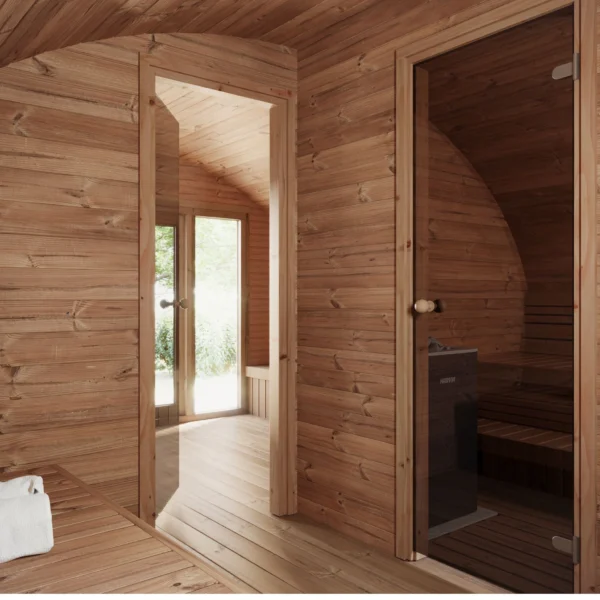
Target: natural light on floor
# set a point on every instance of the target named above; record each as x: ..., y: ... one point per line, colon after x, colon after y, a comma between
x: 211, y: 394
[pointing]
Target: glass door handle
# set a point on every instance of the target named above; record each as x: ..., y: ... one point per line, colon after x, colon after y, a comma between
x: 423, y: 306
x: 183, y: 303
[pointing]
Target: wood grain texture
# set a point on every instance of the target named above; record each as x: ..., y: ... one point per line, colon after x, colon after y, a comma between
x: 101, y: 548
x: 69, y: 223
x: 220, y: 510
x: 257, y: 383
x: 347, y: 68
x: 225, y: 135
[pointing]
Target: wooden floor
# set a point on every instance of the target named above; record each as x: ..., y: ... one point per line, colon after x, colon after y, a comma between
x: 213, y: 485
x: 100, y: 548
x: 513, y: 549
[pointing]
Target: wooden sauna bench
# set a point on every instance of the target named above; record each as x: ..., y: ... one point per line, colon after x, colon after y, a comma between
x: 102, y: 548
x: 525, y: 407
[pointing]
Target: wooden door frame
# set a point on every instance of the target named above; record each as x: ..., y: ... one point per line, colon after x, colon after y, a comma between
x: 282, y: 273
x: 189, y: 215
x: 486, y: 19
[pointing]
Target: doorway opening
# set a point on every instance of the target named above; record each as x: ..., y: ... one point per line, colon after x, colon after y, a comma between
x: 494, y: 284
x: 212, y: 275
x: 215, y: 166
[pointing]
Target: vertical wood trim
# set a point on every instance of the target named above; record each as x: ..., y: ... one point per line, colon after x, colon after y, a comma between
x: 243, y: 313
x: 278, y: 332
x: 585, y: 295
x: 404, y: 318
x: 421, y: 322
x: 147, y: 184
x: 290, y: 277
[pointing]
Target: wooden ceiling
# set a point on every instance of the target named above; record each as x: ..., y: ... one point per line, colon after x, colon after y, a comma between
x: 227, y: 135
x: 29, y: 27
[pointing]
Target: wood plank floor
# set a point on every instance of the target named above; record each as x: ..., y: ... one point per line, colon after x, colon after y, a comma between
x: 213, y: 487
x: 514, y: 548
x: 102, y: 548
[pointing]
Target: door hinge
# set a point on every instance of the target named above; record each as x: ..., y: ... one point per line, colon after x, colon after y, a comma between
x: 570, y: 69
x: 576, y: 66
x: 568, y: 546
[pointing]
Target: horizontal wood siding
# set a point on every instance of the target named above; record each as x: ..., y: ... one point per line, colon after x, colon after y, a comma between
x: 69, y: 326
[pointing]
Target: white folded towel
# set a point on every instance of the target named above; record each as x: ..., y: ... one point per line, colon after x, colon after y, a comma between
x: 21, y: 486
x: 25, y: 526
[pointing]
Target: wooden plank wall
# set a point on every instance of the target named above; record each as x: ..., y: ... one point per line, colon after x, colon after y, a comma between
x: 199, y: 188
x: 474, y: 264
x: 346, y: 286
x: 69, y: 253
x: 69, y: 250
x: 258, y: 391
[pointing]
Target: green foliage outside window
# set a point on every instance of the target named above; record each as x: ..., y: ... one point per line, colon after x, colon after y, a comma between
x: 216, y: 312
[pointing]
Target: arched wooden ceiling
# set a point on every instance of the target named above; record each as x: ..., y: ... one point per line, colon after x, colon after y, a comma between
x: 227, y: 135
x: 29, y: 27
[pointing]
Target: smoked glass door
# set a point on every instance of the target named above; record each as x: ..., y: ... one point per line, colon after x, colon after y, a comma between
x: 493, y: 307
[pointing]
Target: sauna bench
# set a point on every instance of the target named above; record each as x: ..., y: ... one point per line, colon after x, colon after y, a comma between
x: 525, y: 407
x: 102, y: 548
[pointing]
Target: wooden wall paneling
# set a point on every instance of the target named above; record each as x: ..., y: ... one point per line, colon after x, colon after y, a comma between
x: 69, y: 334
x: 147, y: 484
x: 258, y: 391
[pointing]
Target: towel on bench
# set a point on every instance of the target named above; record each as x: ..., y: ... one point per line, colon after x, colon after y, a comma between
x: 21, y: 486
x: 25, y: 526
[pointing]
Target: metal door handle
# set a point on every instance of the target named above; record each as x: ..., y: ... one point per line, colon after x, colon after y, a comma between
x: 183, y: 303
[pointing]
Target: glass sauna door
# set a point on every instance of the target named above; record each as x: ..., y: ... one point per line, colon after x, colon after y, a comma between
x: 493, y: 308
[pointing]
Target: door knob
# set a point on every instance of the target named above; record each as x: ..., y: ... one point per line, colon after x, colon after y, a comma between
x: 183, y: 303
x: 423, y: 306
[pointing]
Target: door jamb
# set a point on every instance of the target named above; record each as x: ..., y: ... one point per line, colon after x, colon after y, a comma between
x: 420, y: 46
x: 282, y: 278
